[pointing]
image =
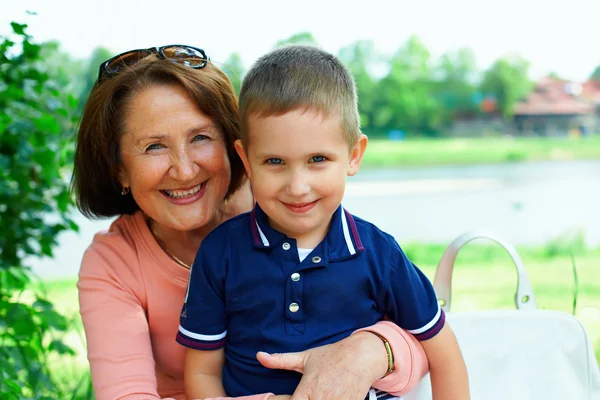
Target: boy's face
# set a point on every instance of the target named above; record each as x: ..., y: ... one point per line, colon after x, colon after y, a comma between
x: 297, y: 163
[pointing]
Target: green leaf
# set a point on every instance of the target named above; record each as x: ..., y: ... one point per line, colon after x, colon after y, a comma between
x: 19, y: 29
x: 60, y: 348
x: 47, y: 123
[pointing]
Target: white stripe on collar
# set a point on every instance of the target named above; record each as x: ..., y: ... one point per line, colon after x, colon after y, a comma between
x: 349, y: 243
x: 262, y: 235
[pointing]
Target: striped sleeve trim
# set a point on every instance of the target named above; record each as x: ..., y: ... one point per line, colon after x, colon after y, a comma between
x: 432, y: 328
x: 200, y: 342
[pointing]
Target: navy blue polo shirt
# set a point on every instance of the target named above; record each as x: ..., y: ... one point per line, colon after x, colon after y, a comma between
x: 249, y: 290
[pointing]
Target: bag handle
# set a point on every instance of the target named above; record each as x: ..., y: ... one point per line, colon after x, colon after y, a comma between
x: 524, y: 299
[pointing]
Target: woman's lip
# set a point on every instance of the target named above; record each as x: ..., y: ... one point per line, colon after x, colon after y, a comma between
x: 300, y: 208
x: 186, y: 200
x: 182, y: 189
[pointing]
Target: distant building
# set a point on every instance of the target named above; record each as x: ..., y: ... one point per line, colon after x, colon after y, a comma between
x: 559, y: 108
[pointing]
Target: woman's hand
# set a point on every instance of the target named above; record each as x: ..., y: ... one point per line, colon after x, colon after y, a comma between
x: 343, y: 370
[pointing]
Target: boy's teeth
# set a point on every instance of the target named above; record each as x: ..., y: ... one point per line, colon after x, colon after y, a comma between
x: 183, y: 193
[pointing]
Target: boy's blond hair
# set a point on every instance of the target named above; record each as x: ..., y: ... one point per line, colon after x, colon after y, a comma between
x: 300, y: 77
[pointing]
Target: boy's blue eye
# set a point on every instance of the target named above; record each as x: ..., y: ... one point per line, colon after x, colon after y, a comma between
x: 318, y: 159
x: 275, y: 161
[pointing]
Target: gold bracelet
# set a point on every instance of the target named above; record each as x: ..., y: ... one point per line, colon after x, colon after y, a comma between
x: 390, y: 354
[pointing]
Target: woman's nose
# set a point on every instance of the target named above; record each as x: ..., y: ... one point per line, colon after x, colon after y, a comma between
x: 183, y: 167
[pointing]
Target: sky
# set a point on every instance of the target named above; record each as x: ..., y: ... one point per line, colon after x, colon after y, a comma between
x: 555, y: 36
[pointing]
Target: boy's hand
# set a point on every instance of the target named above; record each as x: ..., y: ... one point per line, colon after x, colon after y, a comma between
x: 280, y: 397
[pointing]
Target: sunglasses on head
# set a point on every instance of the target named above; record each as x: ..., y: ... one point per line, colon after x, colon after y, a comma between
x: 189, y: 56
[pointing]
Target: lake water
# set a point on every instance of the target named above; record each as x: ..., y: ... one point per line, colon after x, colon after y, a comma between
x: 525, y: 203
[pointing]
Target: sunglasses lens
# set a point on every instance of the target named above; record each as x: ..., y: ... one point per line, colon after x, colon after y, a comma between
x: 126, y: 60
x: 188, y: 56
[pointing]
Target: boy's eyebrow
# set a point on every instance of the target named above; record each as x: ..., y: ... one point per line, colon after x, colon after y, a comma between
x: 308, y: 155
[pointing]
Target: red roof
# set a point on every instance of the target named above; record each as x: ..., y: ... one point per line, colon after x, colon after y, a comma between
x: 557, y: 97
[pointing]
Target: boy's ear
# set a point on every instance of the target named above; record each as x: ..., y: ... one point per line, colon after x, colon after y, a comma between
x: 239, y: 148
x: 356, y: 155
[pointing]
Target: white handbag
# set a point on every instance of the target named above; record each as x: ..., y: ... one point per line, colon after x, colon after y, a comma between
x: 522, y: 354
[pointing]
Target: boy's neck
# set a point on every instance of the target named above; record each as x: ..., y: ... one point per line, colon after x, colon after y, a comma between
x: 308, y: 240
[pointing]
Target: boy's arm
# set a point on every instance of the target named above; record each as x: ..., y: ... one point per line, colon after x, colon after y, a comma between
x: 447, y: 369
x: 412, y: 304
x: 203, y: 373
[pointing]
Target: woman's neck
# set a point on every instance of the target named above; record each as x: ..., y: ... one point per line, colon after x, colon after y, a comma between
x: 182, y: 246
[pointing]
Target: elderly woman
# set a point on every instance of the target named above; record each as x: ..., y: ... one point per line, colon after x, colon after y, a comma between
x: 155, y: 148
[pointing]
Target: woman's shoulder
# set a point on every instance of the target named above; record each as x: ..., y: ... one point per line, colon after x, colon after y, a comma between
x: 124, y: 233
x: 117, y: 248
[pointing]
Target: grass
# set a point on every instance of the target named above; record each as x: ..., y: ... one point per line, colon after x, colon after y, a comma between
x: 424, y: 152
x: 484, y: 278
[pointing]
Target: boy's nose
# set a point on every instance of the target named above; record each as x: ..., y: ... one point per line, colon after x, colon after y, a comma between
x: 298, y: 185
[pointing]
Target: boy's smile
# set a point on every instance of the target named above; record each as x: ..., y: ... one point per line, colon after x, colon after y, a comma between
x: 298, y: 163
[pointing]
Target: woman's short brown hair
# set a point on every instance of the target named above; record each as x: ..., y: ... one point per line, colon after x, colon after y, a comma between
x: 95, y: 181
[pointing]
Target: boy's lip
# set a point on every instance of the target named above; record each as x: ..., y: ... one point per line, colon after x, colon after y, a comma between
x: 300, y: 208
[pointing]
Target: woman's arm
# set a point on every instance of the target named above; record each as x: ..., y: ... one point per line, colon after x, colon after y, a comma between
x: 116, y: 329
x: 410, y: 360
x: 348, y: 368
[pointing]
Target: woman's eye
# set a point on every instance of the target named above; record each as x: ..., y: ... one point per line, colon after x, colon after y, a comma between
x: 199, y: 138
x: 317, y: 159
x: 275, y: 161
x: 154, y: 146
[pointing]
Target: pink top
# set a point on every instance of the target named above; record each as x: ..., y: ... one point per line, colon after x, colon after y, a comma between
x: 131, y: 294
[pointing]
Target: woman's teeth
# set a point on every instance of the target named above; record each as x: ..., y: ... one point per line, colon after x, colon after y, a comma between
x: 178, y: 194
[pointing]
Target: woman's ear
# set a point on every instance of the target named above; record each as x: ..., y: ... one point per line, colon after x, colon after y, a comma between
x: 356, y: 155
x: 239, y: 148
x: 124, y: 178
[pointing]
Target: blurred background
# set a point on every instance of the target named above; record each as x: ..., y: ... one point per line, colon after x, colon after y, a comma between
x: 480, y: 115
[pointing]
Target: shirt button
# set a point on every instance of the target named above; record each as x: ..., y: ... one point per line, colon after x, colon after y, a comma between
x: 316, y: 259
x: 286, y: 246
x: 294, y: 307
x: 295, y: 277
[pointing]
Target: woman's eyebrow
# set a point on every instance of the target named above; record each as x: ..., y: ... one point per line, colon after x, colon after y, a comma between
x: 153, y: 137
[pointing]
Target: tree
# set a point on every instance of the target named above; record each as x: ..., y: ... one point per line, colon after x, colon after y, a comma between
x: 305, y: 38
x: 456, y: 84
x: 596, y: 74
x: 234, y: 68
x: 37, y: 122
x: 507, y: 80
x: 405, y: 96
x: 359, y: 57
x: 90, y: 75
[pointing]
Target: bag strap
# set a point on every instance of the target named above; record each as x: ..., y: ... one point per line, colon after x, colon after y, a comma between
x: 524, y: 299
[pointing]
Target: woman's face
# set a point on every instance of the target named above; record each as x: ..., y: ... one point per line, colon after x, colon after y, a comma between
x: 174, y: 159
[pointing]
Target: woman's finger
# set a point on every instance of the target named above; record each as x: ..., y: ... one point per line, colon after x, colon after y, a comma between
x: 288, y: 361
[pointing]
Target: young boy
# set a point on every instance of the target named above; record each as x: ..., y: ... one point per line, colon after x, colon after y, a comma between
x: 299, y: 271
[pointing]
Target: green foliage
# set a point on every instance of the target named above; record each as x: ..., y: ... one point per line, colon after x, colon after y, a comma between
x: 89, y: 76
x: 234, y: 68
x: 456, y: 85
x: 596, y: 74
x: 360, y: 57
x: 36, y: 141
x: 508, y: 81
x: 303, y: 38
x: 406, y: 99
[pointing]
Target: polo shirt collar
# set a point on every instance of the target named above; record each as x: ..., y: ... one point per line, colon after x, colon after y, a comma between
x: 342, y: 240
